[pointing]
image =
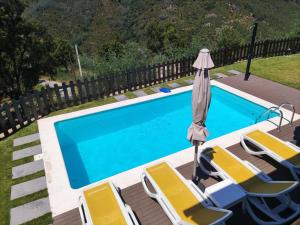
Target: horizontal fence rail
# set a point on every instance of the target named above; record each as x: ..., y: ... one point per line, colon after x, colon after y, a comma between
x: 28, y: 108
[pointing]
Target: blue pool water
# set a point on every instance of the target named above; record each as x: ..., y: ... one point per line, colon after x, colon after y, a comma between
x: 103, y: 144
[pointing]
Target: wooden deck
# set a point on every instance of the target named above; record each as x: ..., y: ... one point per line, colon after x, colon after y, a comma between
x: 149, y: 212
x: 265, y: 89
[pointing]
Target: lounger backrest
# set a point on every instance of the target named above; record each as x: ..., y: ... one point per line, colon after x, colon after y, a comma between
x: 276, y: 146
x: 103, y: 205
x: 180, y: 196
x: 232, y: 166
x: 241, y: 174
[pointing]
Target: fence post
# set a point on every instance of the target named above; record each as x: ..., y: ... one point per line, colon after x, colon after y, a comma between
x: 32, y: 106
x: 9, y: 115
x: 51, y: 99
x: 73, y: 96
x: 66, y: 95
x: 266, y: 47
x: 45, y: 101
x: 58, y: 96
x: 3, y: 124
x: 15, y: 104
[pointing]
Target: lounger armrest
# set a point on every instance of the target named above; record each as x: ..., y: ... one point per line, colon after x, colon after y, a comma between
x: 152, y: 195
x: 259, y: 173
x: 206, y: 201
x: 82, y: 213
x: 295, y: 147
x: 131, y: 214
x: 247, y: 149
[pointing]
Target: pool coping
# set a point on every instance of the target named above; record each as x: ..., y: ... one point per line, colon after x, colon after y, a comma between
x: 63, y: 198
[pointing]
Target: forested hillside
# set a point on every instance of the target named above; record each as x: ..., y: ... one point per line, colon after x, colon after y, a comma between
x: 132, y: 32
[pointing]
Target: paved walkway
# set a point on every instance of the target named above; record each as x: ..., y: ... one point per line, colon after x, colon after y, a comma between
x: 265, y: 89
x: 37, y: 208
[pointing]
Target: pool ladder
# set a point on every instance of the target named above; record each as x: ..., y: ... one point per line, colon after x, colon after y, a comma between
x: 278, y: 109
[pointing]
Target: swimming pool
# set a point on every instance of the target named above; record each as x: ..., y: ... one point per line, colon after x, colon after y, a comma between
x: 103, y: 144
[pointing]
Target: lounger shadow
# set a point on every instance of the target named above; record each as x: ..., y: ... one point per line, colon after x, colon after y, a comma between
x: 285, y: 153
x: 182, y: 201
x: 258, y: 186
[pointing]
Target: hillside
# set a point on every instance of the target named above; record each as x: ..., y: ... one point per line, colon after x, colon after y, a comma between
x: 92, y: 23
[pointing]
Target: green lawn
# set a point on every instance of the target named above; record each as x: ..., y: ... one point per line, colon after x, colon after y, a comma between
x: 6, y: 163
x: 282, y: 69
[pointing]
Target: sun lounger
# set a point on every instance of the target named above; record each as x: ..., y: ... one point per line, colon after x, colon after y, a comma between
x: 182, y: 200
x: 286, y: 154
x: 101, y: 204
x: 262, y: 192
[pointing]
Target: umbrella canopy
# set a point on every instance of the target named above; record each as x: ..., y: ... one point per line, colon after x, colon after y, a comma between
x: 198, y: 132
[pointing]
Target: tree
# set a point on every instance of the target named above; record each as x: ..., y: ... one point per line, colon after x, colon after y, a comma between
x: 25, y: 50
x: 229, y: 38
x: 63, y: 53
x: 112, y: 48
x: 164, y: 37
x: 155, y: 36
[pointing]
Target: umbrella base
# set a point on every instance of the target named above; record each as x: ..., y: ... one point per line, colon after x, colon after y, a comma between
x: 195, y: 179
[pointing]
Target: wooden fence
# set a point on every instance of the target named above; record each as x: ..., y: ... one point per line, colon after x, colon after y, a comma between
x: 28, y: 108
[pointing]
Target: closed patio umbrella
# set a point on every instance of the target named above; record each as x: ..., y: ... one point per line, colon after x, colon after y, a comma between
x: 198, y: 132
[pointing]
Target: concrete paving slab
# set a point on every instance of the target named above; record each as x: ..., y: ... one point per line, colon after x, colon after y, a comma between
x: 29, y: 211
x: 34, y: 150
x: 120, y: 97
x: 174, y: 85
x: 189, y: 81
x: 220, y: 75
x: 27, y: 169
x: 156, y: 89
x: 234, y: 72
x: 26, y: 139
x: 139, y: 93
x: 28, y: 187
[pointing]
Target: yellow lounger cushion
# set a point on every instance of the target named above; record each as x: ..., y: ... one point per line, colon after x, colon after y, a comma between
x: 103, y: 206
x: 180, y: 197
x: 279, y: 148
x: 241, y: 174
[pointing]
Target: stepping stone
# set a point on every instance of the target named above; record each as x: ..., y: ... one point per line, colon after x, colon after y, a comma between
x: 26, y: 139
x: 189, y: 81
x: 29, y: 211
x: 34, y: 150
x: 139, y: 93
x: 156, y: 89
x: 27, y: 169
x: 174, y: 85
x: 28, y: 187
x: 220, y: 75
x: 234, y: 72
x: 120, y: 97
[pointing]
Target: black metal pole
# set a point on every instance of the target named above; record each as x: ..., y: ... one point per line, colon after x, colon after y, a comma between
x: 250, y: 54
x: 195, y: 177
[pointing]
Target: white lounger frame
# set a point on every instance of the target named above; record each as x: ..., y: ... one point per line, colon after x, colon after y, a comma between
x: 295, y: 170
x: 255, y: 199
x: 166, y: 205
x: 125, y: 209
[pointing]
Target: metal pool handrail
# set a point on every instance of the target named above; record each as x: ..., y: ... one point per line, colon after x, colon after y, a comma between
x: 270, y: 110
x: 293, y: 110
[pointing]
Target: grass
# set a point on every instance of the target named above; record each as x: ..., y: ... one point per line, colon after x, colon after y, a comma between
x: 282, y: 69
x: 285, y: 70
x: 6, y: 164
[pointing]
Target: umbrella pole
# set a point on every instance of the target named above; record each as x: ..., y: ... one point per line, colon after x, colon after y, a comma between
x: 195, y: 178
